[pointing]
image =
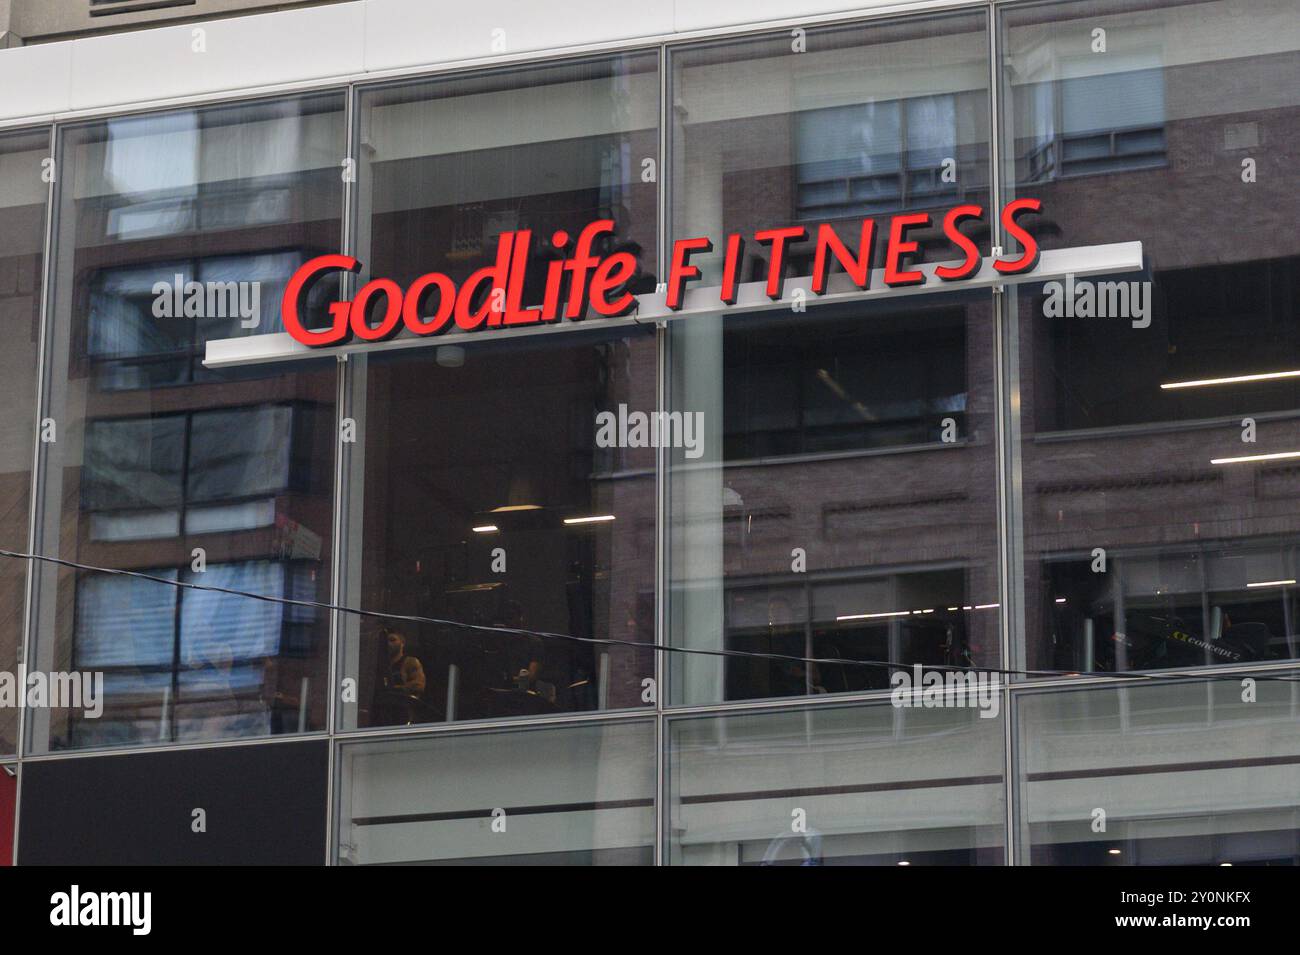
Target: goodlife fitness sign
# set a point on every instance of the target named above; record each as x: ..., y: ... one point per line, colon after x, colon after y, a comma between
x: 579, y: 282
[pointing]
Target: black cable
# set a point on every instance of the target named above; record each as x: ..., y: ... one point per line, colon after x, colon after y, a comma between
x: 606, y: 641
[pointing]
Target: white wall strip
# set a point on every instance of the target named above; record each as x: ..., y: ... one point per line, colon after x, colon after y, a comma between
x: 351, y: 42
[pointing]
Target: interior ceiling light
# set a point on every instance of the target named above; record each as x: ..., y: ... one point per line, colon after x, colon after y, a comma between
x: 1234, y: 380
x: 594, y: 519
x: 874, y: 616
x: 1276, y: 456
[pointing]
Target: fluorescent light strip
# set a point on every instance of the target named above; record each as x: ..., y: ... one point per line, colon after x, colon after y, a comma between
x: 1235, y: 380
x: 1278, y: 456
x: 485, y: 529
x: 904, y: 613
x: 1272, y: 583
x: 594, y: 519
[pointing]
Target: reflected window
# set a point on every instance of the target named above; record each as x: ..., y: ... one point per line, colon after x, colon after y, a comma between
x: 149, y: 324
x: 874, y: 158
x: 1090, y: 123
x: 183, y: 664
x: 209, y: 471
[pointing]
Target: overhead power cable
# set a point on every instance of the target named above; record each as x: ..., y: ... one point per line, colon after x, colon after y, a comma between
x: 614, y: 641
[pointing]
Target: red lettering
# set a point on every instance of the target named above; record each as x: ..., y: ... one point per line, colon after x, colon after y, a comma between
x: 951, y: 223
x: 581, y: 263
x: 296, y: 291
x: 359, y: 315
x: 899, y: 246
x: 579, y: 280
x: 1029, y: 245
x: 859, y: 268
x: 681, y: 271
x: 777, y: 238
x: 515, y: 283
x: 735, y: 258
x: 436, y: 323
x: 612, y: 274
x: 467, y: 317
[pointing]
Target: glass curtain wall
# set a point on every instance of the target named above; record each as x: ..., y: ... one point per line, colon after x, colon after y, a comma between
x: 870, y: 784
x: 484, y: 496
x: 24, y: 191
x: 175, y: 228
x: 1197, y: 772
x: 564, y: 795
x: 843, y: 503
x: 1159, y: 412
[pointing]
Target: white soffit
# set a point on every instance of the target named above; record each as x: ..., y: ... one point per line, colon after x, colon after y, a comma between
x: 344, y: 42
x: 230, y: 53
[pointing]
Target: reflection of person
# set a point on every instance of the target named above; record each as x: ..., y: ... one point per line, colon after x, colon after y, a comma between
x: 529, y: 679
x: 405, y: 672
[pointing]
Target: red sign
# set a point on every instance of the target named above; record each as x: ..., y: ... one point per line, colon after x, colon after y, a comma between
x: 579, y: 280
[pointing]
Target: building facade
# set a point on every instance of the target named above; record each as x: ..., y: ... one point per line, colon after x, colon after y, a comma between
x: 416, y: 601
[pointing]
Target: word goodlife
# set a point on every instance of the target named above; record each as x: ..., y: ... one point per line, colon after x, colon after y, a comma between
x: 578, y: 280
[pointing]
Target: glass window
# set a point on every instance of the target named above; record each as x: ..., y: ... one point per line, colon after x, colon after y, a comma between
x: 8, y: 812
x: 841, y: 505
x: 1185, y: 773
x: 866, y: 120
x: 863, y: 785
x: 22, y: 241
x: 566, y: 795
x: 1159, y: 412
x: 174, y: 229
x: 484, y: 492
